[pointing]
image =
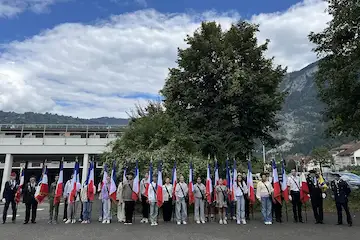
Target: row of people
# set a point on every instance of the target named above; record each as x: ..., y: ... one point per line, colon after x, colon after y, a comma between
x: 126, y: 204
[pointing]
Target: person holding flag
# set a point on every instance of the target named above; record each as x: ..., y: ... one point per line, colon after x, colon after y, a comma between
x: 294, y: 186
x: 30, y: 201
x: 277, y: 197
x: 152, y: 200
x: 53, y: 205
x: 144, y: 187
x: 240, y: 191
x: 74, y: 196
x: 181, y: 194
x: 127, y: 196
x: 222, y: 194
x: 88, y: 194
x: 200, y: 197
x: 264, y: 193
x: 316, y: 194
x: 10, y: 190
x: 20, y: 187
x: 167, y: 197
x: 121, y: 204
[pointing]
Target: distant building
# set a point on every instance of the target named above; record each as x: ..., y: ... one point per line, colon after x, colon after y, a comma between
x: 346, y: 155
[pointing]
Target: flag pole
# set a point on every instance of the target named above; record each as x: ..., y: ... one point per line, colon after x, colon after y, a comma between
x: 251, y: 205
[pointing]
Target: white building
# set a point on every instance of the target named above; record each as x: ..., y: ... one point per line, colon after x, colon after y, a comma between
x: 33, y: 144
x: 346, y: 155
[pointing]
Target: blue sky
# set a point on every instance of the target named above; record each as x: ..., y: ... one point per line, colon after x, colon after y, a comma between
x: 93, y: 58
x: 29, y: 23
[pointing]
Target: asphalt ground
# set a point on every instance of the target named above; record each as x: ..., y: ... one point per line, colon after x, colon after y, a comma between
x: 255, y: 229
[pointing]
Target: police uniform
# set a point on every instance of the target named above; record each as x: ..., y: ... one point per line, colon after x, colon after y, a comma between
x: 341, y: 192
x: 315, y: 190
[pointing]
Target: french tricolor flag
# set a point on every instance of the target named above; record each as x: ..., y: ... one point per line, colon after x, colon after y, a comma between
x: 174, y: 180
x: 43, y: 188
x: 191, y: 186
x: 304, y: 189
x: 59, y: 185
x: 73, y: 191
x: 159, y: 192
x: 216, y: 178
x: 149, y: 180
x: 91, y: 182
x: 250, y: 184
x: 284, y: 186
x: 228, y: 180
x: 112, y: 190
x: 234, y: 180
x: 277, y: 189
x: 19, y: 189
x: 136, y: 182
x: 209, y: 188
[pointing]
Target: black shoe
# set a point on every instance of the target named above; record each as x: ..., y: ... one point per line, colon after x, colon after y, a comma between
x: 350, y: 224
x: 301, y: 221
x: 321, y: 222
x: 339, y: 223
x: 26, y: 222
x: 3, y: 222
x: 33, y: 222
x: 14, y: 221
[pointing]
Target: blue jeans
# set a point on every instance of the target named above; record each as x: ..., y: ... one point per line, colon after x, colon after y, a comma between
x: 87, y: 207
x: 266, y: 205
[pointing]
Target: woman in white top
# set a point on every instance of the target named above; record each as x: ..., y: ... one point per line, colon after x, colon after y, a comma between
x: 167, y: 197
x: 241, y: 191
x: 264, y: 192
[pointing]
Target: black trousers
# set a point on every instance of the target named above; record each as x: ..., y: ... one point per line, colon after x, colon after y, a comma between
x: 65, y: 208
x: 317, y: 206
x: 33, y: 207
x: 296, y: 205
x: 129, y: 211
x: 6, y: 207
x: 247, y: 208
x: 82, y: 209
x: 145, y: 207
x: 339, y: 207
x: 167, y: 210
x: 276, y: 209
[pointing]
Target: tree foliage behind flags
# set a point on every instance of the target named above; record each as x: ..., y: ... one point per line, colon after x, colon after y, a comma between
x: 225, y: 92
x: 337, y: 78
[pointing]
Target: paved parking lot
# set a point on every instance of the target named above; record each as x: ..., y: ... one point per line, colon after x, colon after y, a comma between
x: 210, y: 231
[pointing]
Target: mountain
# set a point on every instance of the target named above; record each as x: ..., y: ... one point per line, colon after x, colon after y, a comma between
x: 301, y: 116
x: 48, y: 118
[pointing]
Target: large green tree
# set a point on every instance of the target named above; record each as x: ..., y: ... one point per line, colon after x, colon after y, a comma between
x: 322, y: 156
x: 224, y: 93
x: 338, y: 46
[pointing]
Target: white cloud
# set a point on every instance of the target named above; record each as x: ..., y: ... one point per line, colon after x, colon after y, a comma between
x: 10, y: 8
x: 92, y: 70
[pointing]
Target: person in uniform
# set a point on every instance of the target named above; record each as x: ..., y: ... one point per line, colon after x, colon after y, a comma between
x: 199, y: 194
x: 316, y: 195
x: 294, y: 187
x: 51, y: 196
x: 9, y: 193
x: 341, y: 192
x: 30, y: 201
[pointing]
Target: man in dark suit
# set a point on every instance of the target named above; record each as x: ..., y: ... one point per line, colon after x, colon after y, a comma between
x: 30, y: 201
x: 341, y: 192
x: 316, y: 195
x: 10, y: 189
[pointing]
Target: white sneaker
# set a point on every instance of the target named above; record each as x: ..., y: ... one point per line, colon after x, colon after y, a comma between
x: 225, y: 218
x: 73, y: 221
x: 64, y: 220
x: 178, y: 223
x: 100, y: 219
x: 234, y: 218
x: 104, y: 221
x: 68, y: 221
x: 266, y: 223
x: 198, y: 222
x: 203, y: 222
x: 270, y: 223
x: 108, y: 221
x: 152, y: 224
x: 83, y: 222
x: 225, y: 222
x: 146, y: 220
x: 238, y: 222
x: 221, y: 221
x: 243, y: 222
x: 142, y: 220
x: 184, y: 223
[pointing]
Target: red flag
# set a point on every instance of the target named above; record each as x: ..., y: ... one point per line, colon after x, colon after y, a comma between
x: 304, y: 189
x: 136, y: 183
x: 43, y: 188
x: 284, y: 186
x: 90, y: 182
x: 250, y: 184
x: 174, y: 181
x: 209, y: 188
x: 18, y: 191
x: 148, y: 181
x: 59, y: 185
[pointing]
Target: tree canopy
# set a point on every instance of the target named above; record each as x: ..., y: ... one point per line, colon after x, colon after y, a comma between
x: 225, y: 92
x: 338, y: 45
x: 322, y: 156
